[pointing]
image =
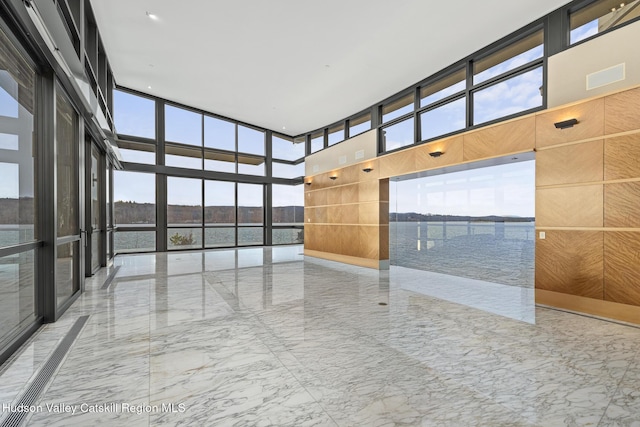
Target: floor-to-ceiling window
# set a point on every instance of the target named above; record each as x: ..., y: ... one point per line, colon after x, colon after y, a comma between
x: 18, y: 247
x: 67, y: 199
x: 476, y: 223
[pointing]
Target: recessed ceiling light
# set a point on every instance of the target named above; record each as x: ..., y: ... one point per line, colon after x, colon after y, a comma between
x: 284, y: 127
x: 152, y: 16
x: 148, y: 87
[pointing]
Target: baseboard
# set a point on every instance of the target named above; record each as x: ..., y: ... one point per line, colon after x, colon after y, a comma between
x: 596, y: 307
x: 361, y: 262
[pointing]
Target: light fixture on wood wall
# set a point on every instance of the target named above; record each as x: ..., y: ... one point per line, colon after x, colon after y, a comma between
x: 308, y: 182
x: 566, y: 124
x: 367, y: 170
x: 333, y: 177
x: 436, y: 153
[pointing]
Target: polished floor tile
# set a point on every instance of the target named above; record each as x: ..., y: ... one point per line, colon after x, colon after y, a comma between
x: 267, y: 337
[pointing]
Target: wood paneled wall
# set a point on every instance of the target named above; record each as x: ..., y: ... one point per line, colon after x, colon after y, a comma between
x: 588, y: 207
x: 587, y: 201
x: 347, y: 219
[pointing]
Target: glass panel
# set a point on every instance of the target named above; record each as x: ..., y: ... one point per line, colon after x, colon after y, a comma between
x: 443, y: 120
x: 509, y: 58
x: 219, y: 134
x: 601, y: 16
x: 184, y: 238
x: 17, y: 292
x: 250, y: 165
x: 336, y: 134
x: 288, y: 204
x: 134, y: 115
x: 96, y: 212
x: 134, y: 241
x: 317, y: 141
x: 283, y: 170
x: 250, y: 140
x: 135, y: 198
x: 183, y: 156
x: 287, y: 236
x: 398, y: 135
x: 477, y: 223
x: 250, y: 204
x: 66, y: 166
x: 285, y: 148
x: 219, y: 161
x: 137, y: 156
x: 444, y: 87
x: 184, y: 201
x: 66, y: 271
x: 220, y: 203
x: 397, y: 108
x: 17, y: 173
x: 182, y: 126
x: 512, y: 96
x: 219, y: 237
x: 359, y: 124
x: 250, y: 236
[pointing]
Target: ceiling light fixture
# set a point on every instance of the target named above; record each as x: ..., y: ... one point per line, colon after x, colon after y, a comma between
x: 152, y: 16
x: 566, y: 124
x: 436, y: 153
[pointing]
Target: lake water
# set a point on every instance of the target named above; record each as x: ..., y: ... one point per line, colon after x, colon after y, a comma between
x: 498, y: 252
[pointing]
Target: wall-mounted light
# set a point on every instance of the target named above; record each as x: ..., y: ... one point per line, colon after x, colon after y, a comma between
x: 308, y: 182
x: 367, y: 170
x: 436, y: 153
x: 333, y: 178
x: 566, y: 124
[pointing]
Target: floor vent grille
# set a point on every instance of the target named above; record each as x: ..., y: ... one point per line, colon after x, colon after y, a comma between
x: 30, y: 396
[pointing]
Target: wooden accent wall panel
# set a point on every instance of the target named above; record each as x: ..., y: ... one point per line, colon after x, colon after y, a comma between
x: 622, y: 157
x: 511, y: 137
x: 400, y: 163
x: 570, y: 262
x: 580, y: 206
x: 590, y: 116
x: 622, y: 111
x: 622, y: 267
x: 570, y: 164
x: 451, y: 147
x: 622, y: 204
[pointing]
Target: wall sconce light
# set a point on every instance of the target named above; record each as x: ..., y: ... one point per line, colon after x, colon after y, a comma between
x: 566, y: 124
x: 333, y: 178
x: 367, y: 170
x: 308, y: 182
x: 436, y: 153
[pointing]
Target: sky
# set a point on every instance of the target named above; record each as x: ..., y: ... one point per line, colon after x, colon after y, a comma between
x: 507, y: 190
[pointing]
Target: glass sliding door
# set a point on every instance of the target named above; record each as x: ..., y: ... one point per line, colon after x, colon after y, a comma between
x: 67, y: 200
x: 18, y: 234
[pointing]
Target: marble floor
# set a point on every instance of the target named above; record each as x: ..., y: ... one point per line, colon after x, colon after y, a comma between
x: 267, y: 337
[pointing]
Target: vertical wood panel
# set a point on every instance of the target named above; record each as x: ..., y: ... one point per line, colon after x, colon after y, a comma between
x: 570, y: 262
x: 622, y: 157
x: 622, y: 204
x: 570, y: 164
x: 622, y: 267
x: 590, y: 116
x: 622, y: 111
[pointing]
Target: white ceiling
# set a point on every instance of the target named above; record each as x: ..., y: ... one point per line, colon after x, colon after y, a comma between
x: 296, y: 64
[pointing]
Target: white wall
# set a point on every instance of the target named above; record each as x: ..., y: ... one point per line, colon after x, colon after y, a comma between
x: 568, y: 70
